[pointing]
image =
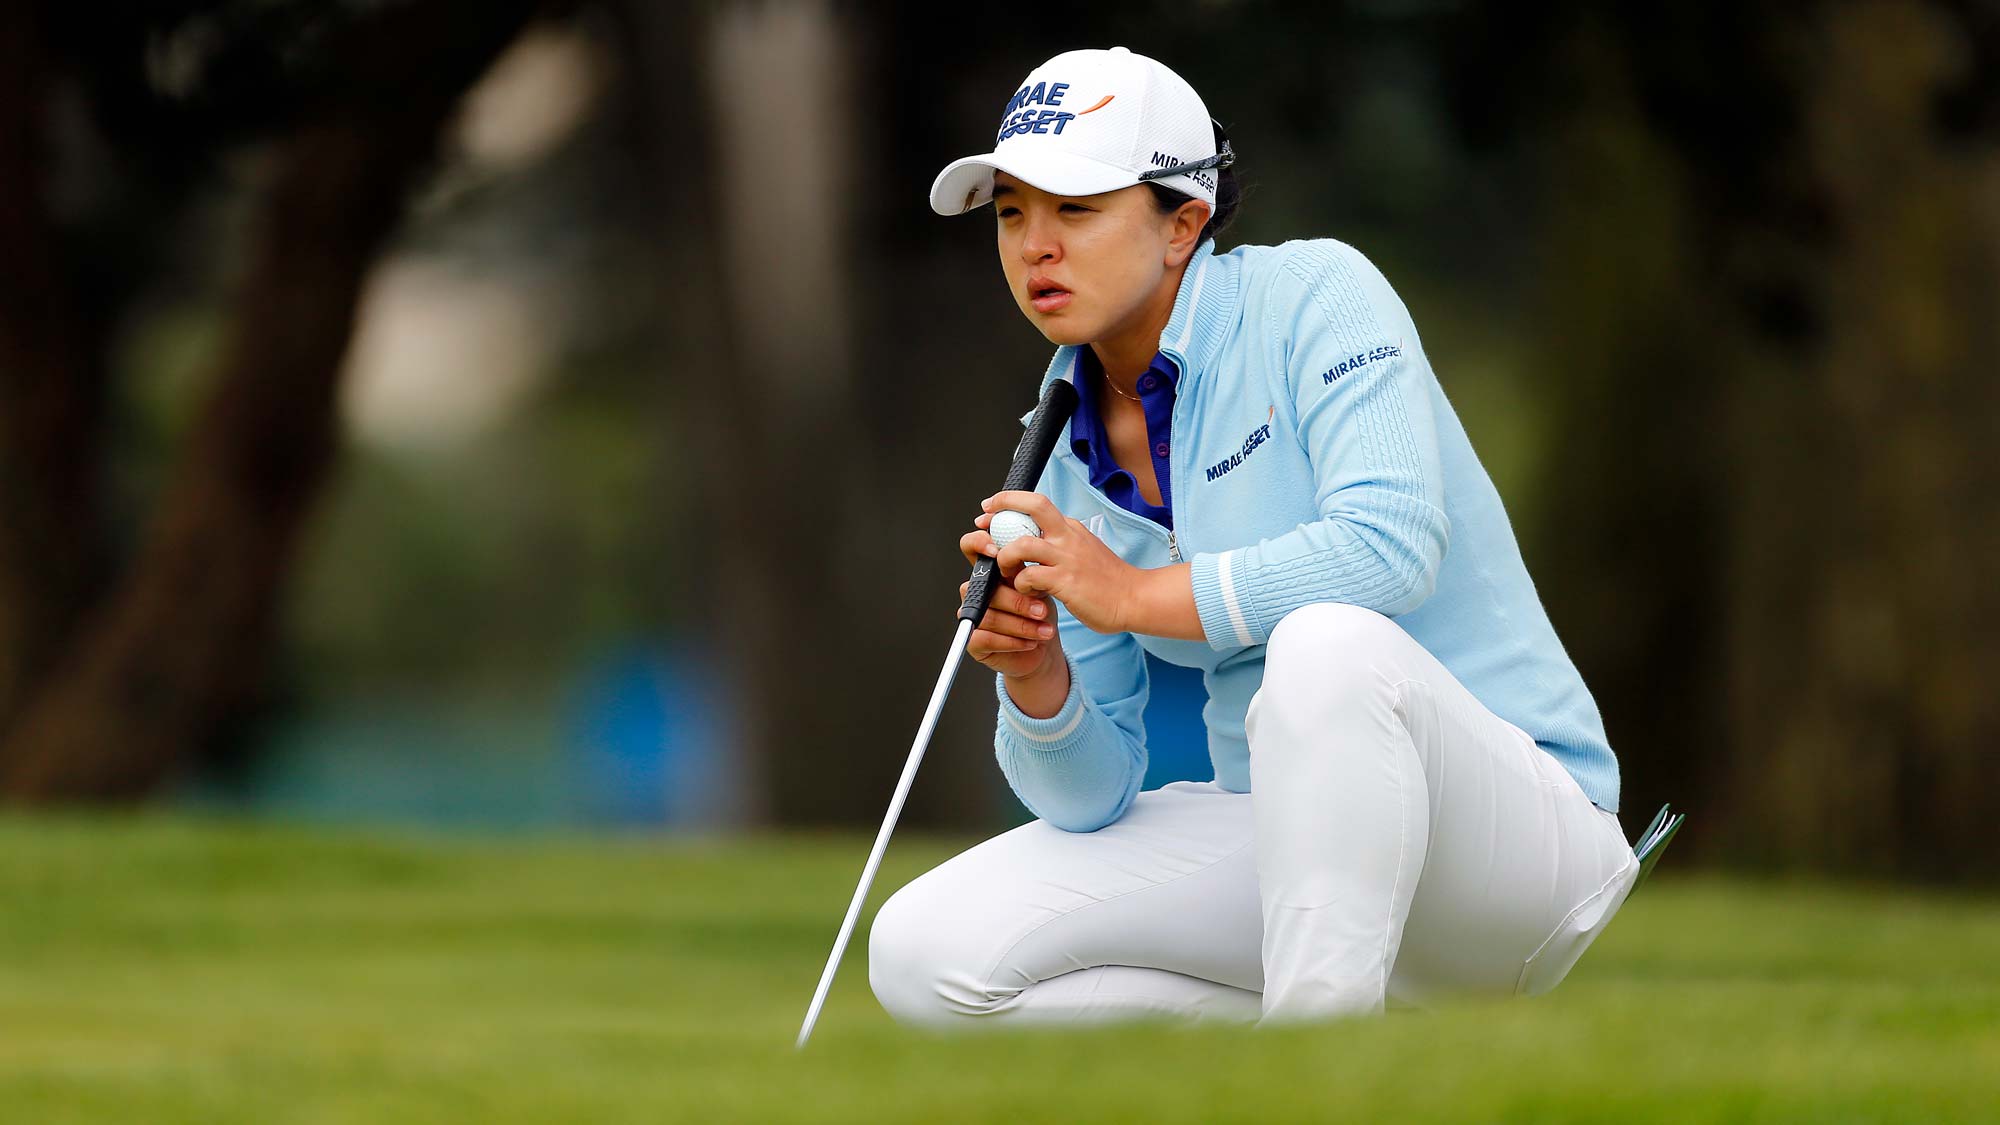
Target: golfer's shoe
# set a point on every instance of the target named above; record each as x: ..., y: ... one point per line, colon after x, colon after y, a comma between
x: 1654, y: 840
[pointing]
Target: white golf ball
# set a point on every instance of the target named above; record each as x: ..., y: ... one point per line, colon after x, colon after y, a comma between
x: 1009, y: 525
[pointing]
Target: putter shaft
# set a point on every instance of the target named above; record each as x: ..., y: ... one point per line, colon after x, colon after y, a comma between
x: 923, y: 739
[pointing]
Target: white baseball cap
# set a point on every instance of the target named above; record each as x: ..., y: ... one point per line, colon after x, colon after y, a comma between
x: 1093, y: 121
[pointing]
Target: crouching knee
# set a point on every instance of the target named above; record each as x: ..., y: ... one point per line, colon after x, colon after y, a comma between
x: 922, y: 967
x: 1329, y: 635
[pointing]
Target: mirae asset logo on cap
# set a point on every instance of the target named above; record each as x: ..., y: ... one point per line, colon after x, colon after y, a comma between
x: 1017, y: 118
x: 1023, y: 116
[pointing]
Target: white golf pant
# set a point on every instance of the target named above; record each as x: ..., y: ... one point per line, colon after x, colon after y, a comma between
x: 1400, y: 843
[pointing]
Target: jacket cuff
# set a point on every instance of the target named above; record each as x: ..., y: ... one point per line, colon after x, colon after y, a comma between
x: 1216, y: 600
x: 1060, y: 731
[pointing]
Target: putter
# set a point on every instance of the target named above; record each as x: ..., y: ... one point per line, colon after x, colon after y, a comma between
x: 1030, y: 457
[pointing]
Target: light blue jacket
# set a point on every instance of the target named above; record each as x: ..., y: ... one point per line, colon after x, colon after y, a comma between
x: 1313, y: 458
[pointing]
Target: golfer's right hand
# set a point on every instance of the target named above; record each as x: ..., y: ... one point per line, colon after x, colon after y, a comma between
x: 1017, y: 637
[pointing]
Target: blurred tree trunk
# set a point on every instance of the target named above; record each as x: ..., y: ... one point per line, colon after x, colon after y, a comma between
x: 51, y: 391
x: 182, y: 635
x: 1864, y: 610
x: 1772, y: 284
x: 781, y: 156
x: 805, y: 563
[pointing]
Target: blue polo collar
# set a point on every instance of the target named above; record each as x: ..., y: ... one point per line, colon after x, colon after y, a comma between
x: 1088, y: 438
x: 1092, y: 443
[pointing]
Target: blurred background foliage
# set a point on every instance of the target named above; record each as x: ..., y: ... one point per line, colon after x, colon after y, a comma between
x: 516, y: 413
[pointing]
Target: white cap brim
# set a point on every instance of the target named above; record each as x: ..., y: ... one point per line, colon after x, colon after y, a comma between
x: 968, y: 182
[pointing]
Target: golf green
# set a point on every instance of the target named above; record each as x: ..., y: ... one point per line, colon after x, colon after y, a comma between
x: 161, y: 969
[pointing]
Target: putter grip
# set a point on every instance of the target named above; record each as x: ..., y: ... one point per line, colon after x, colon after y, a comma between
x: 1030, y: 457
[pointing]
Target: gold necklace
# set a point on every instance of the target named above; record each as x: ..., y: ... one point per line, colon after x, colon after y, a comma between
x: 1116, y: 391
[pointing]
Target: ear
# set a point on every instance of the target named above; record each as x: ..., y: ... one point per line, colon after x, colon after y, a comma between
x: 1186, y: 231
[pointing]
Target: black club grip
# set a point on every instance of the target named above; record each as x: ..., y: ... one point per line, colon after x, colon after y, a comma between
x: 1030, y: 457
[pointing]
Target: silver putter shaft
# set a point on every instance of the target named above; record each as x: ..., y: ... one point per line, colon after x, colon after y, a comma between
x: 938, y: 694
x: 1031, y: 457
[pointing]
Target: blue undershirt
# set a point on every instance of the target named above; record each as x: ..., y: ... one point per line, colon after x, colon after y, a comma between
x: 1093, y: 444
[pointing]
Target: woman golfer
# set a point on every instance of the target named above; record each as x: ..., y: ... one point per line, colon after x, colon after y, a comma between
x: 1413, y: 793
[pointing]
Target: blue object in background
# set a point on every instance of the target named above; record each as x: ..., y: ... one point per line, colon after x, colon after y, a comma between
x: 1176, y: 740
x: 619, y: 734
x: 637, y: 737
x: 644, y: 731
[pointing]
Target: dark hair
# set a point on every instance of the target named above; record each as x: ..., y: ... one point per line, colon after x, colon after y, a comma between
x: 1227, y: 195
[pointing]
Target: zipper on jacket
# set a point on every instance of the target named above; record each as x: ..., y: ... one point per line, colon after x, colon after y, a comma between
x: 1119, y: 511
x: 1182, y: 385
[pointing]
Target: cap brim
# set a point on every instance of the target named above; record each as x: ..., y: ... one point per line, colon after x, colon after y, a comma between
x: 968, y: 182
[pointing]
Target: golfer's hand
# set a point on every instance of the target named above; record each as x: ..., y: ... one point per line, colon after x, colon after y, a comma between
x: 1077, y: 569
x: 1018, y: 636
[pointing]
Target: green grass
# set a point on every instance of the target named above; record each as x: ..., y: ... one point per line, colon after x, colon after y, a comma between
x: 160, y: 970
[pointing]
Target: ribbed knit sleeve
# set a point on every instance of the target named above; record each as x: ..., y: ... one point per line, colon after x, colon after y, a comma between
x: 1080, y: 769
x: 1361, y: 390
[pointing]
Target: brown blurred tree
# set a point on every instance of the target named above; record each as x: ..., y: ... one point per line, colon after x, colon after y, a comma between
x: 818, y: 544
x: 1772, y: 260
x: 112, y: 671
x: 1863, y: 613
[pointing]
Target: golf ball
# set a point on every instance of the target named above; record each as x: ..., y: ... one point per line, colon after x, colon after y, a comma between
x: 1010, y: 525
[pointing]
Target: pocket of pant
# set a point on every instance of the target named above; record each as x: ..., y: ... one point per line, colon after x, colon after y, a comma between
x: 1559, y: 952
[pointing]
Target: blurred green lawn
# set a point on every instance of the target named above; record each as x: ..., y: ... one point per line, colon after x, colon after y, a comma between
x: 167, y: 970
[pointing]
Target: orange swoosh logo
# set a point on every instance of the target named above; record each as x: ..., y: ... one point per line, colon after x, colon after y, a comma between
x: 1105, y: 101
